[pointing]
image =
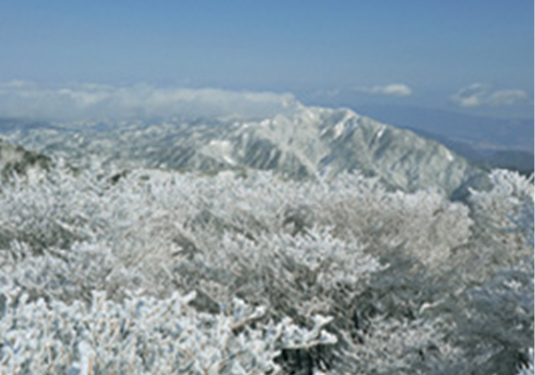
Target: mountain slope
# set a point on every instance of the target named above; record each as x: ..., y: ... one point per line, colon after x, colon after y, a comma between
x: 487, y: 158
x: 480, y: 132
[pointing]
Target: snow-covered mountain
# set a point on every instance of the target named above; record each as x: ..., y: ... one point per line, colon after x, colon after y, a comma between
x: 304, y: 142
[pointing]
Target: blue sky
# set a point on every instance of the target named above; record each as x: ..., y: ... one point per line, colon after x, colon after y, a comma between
x: 472, y: 55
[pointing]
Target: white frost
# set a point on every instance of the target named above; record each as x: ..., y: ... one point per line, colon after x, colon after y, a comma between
x: 339, y: 129
x: 381, y: 132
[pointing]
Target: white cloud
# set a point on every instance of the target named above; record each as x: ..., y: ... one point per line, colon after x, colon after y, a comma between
x: 395, y: 89
x: 507, y: 97
x: 95, y: 101
x: 15, y: 84
x: 479, y: 94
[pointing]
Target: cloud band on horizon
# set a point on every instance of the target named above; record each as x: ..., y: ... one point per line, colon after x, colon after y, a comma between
x: 96, y: 101
x: 479, y: 94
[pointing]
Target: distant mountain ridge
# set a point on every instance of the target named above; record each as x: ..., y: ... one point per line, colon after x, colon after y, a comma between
x: 299, y: 144
x: 480, y: 132
x: 517, y: 160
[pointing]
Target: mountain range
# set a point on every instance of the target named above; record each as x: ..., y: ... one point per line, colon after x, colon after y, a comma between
x: 304, y: 143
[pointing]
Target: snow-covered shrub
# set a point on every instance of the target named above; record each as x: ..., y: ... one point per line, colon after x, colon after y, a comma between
x: 419, y: 346
x: 68, y: 275
x: 417, y: 221
x: 141, y: 335
x: 404, y: 283
x: 496, y: 328
x: 504, y: 222
x: 58, y: 211
x: 496, y: 320
x: 296, y: 276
